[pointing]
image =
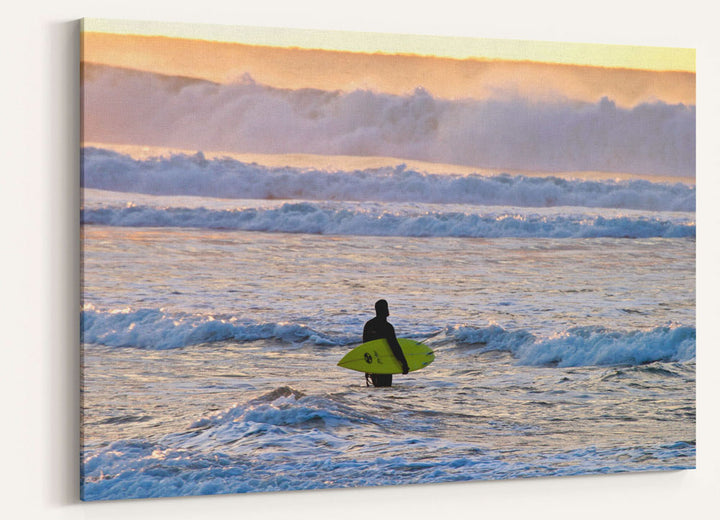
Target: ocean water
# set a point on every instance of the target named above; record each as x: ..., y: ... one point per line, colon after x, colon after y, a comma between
x: 219, y: 295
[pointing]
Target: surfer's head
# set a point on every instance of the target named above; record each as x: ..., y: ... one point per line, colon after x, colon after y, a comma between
x: 381, y: 309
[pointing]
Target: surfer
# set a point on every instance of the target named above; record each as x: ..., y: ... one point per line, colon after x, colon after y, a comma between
x: 379, y: 328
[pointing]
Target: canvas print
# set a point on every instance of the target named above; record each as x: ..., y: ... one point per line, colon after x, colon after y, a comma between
x: 325, y: 259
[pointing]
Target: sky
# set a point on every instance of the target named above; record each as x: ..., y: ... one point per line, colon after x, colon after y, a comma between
x: 624, y: 56
x: 487, y: 103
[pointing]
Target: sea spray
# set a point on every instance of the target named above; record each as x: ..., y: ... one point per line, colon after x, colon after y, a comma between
x: 125, y: 106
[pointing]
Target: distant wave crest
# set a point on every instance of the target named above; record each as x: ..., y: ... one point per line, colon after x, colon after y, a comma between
x: 563, y: 135
x: 326, y: 219
x: 228, y: 178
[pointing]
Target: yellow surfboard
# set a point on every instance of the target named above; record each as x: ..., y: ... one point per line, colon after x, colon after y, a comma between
x: 375, y: 357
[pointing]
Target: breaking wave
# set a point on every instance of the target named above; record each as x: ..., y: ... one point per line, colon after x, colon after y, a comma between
x: 228, y: 178
x: 579, y: 346
x: 124, y: 106
x: 583, y: 346
x: 327, y: 219
x: 286, y: 440
x: 157, y: 329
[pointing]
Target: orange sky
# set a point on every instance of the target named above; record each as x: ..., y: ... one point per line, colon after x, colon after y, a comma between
x: 330, y: 70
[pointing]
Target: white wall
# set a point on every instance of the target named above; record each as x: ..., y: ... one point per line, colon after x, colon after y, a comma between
x: 38, y: 205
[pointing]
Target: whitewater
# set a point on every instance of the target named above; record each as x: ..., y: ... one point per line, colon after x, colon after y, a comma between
x: 228, y: 178
x: 219, y: 294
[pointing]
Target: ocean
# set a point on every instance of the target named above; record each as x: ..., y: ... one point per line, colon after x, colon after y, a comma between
x: 219, y: 293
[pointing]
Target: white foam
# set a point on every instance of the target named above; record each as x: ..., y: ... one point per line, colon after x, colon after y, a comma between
x: 584, y: 346
x: 228, y: 178
x: 141, y: 108
x: 159, y: 330
x: 344, y: 219
x: 580, y: 346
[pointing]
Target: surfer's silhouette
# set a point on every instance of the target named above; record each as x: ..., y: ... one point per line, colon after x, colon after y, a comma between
x: 379, y: 328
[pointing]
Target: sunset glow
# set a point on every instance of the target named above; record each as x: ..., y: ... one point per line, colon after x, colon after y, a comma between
x: 620, y: 56
x: 528, y: 208
x: 469, y: 102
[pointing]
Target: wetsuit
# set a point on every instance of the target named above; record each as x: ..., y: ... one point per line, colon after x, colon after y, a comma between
x: 379, y: 328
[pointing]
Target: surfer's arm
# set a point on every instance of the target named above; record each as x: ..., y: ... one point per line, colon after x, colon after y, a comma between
x: 369, y: 332
x: 396, y: 349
